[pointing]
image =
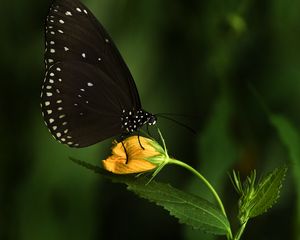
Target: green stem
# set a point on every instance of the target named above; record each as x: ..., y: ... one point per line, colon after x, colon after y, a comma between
x: 194, y: 171
x: 240, y: 231
x: 203, y: 179
x: 182, y: 164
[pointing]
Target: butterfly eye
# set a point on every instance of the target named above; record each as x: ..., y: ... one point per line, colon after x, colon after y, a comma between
x: 88, y: 93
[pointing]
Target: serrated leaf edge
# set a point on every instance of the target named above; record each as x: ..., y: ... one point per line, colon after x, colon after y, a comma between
x: 160, y: 201
x: 282, y: 176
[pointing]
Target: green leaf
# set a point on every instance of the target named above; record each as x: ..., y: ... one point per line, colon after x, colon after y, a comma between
x: 256, y: 199
x: 189, y: 209
x: 267, y: 192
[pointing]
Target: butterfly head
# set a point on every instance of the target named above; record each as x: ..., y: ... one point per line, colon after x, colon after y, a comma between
x: 151, y: 119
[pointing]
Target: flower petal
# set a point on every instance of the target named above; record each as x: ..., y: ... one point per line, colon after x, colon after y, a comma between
x: 118, y: 165
x: 138, y: 157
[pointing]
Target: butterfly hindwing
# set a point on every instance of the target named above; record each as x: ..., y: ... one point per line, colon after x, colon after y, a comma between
x: 80, y: 104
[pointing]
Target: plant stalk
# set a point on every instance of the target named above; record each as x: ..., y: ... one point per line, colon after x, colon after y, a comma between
x: 240, y: 231
x: 204, y: 180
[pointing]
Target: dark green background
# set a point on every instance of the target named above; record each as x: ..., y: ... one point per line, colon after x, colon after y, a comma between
x: 194, y: 57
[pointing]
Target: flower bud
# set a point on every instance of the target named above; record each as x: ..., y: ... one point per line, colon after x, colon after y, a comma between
x: 144, y: 154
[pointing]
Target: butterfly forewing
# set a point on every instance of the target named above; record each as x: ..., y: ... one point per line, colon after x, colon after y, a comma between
x: 74, y: 34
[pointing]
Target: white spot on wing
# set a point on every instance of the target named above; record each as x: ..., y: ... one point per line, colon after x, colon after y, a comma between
x: 68, y: 13
x: 90, y: 84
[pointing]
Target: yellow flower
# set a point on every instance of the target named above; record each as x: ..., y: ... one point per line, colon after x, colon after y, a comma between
x: 139, y: 159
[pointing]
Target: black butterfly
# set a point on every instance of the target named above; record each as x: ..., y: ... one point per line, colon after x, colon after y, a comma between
x: 88, y: 93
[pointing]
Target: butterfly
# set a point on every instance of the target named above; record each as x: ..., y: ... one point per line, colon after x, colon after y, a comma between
x: 88, y: 93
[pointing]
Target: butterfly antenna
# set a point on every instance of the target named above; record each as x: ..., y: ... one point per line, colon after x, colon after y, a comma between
x: 178, y: 115
x: 177, y: 122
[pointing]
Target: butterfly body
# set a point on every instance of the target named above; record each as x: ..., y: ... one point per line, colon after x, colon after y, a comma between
x: 133, y: 120
x: 88, y: 94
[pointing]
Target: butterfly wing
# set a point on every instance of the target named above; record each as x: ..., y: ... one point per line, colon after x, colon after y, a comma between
x: 80, y: 104
x: 87, y: 83
x: 72, y: 33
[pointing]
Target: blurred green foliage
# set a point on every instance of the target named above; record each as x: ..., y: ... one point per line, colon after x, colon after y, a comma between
x: 191, y: 57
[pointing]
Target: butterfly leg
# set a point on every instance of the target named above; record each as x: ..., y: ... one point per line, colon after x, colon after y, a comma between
x: 120, y: 139
x: 125, y: 152
x: 140, y: 141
